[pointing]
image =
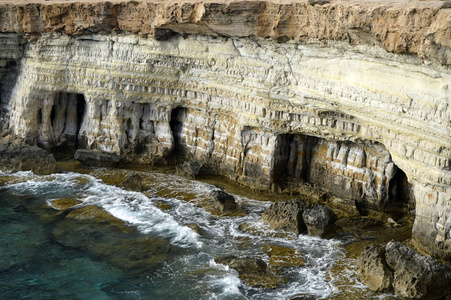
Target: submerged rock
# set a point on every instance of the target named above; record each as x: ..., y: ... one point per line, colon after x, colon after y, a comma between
x: 18, y: 157
x: 417, y: 276
x: 224, y: 202
x: 133, y: 183
x: 189, y: 169
x: 280, y: 256
x: 373, y: 270
x: 253, y: 271
x: 95, y: 158
x: 286, y: 215
x: 65, y: 203
x: 109, y: 239
x: 319, y: 220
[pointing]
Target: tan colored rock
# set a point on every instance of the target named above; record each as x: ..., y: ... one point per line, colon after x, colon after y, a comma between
x: 418, y: 27
x: 373, y: 270
x: 65, y: 203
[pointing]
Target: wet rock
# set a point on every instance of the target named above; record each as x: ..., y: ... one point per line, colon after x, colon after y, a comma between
x: 417, y: 276
x: 189, y: 169
x: 286, y: 215
x: 224, y: 202
x: 280, y: 256
x: 162, y: 205
x: 95, y: 214
x: 18, y: 157
x: 65, y: 203
x: 133, y: 183
x: 319, y: 220
x: 373, y: 270
x: 95, y: 158
x: 253, y: 271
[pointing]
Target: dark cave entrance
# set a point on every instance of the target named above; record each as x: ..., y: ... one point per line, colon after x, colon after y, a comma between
x: 66, y: 118
x: 178, y: 116
x: 401, y: 200
x: 293, y: 158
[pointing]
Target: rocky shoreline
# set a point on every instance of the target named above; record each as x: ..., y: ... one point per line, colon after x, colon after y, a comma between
x: 342, y: 103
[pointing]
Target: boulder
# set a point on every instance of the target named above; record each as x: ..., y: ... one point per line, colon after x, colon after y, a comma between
x: 96, y: 158
x: 319, y: 220
x: 286, y: 215
x: 373, y: 270
x: 18, y: 157
x: 133, y: 183
x: 244, y: 265
x: 224, y: 202
x: 417, y: 276
x: 189, y: 169
x: 252, y: 271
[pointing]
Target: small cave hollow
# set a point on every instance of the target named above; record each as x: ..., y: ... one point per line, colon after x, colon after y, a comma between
x: 178, y: 116
x: 293, y: 158
x: 66, y: 118
x: 401, y: 200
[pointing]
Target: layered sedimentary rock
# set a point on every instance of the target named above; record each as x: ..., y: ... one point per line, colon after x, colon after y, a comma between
x: 352, y: 96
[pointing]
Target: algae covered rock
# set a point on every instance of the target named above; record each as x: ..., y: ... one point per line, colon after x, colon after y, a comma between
x: 109, y: 239
x: 252, y: 271
x: 280, y: 256
x: 133, y: 183
x: 286, y: 215
x: 65, y: 203
x: 373, y: 270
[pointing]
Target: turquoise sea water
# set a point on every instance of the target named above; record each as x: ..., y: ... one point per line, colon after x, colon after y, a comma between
x: 50, y: 254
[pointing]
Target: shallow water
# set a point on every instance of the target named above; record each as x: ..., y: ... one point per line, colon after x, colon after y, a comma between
x: 155, y: 254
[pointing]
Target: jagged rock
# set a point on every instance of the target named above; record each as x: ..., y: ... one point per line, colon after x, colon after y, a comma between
x: 417, y: 276
x: 286, y: 215
x: 133, y: 183
x: 95, y: 158
x: 18, y: 157
x: 319, y: 220
x: 373, y: 270
x: 189, y: 169
x: 224, y: 202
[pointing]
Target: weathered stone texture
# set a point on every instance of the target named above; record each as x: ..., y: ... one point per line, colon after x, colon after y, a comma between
x: 331, y: 107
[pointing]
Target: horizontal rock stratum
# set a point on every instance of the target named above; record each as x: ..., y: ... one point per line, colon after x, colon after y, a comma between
x: 415, y: 27
x: 353, y: 96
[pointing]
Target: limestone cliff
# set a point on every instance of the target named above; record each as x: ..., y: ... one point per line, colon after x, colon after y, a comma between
x: 349, y: 95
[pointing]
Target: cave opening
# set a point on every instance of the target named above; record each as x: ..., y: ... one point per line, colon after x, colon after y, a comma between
x: 293, y: 158
x: 401, y: 200
x: 178, y: 116
x: 66, y: 118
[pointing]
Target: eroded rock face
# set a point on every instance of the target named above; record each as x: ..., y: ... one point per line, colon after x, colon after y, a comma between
x: 417, y: 276
x: 319, y: 220
x: 18, y: 157
x: 264, y: 112
x: 373, y: 270
x: 286, y: 215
